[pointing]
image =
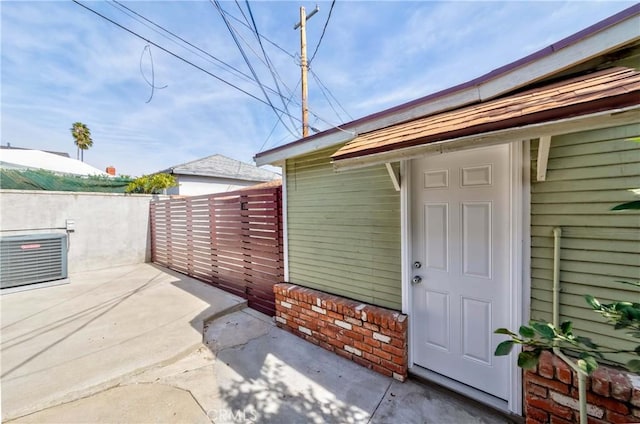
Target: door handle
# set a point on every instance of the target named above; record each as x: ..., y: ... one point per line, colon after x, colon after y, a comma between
x: 416, y: 280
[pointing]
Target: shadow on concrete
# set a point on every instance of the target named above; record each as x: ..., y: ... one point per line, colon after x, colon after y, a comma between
x: 82, y: 318
x: 203, y: 292
x: 267, y: 397
x: 6, y: 326
x: 71, y: 341
x: 265, y: 374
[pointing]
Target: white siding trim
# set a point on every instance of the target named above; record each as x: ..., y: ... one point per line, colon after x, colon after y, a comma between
x: 516, y: 183
x: 405, y: 247
x: 525, y: 282
x: 598, y: 44
x: 285, y: 231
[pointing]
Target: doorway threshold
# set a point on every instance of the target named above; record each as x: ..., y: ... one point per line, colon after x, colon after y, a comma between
x: 499, y: 405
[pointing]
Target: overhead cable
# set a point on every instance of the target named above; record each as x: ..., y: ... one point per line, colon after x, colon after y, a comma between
x: 264, y: 143
x: 234, y: 69
x: 333, y: 3
x: 151, y: 83
x: 243, y: 15
x: 230, y: 67
x: 273, y: 43
x: 216, y: 3
x: 164, y: 49
x: 323, y: 87
x: 268, y: 62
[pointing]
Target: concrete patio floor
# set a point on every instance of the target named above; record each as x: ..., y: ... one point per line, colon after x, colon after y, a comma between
x: 126, y: 345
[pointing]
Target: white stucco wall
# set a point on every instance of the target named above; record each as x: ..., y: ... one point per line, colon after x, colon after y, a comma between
x: 190, y: 185
x: 110, y: 229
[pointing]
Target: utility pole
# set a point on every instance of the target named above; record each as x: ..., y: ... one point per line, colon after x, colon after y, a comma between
x: 304, y: 67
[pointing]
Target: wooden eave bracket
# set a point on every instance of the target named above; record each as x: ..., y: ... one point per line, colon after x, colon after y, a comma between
x: 395, y: 176
x: 543, y: 157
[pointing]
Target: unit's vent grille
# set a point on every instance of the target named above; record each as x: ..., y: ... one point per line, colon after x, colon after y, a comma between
x: 32, y: 259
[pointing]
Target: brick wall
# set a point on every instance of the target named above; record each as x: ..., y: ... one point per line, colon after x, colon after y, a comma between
x: 371, y: 336
x: 551, y: 393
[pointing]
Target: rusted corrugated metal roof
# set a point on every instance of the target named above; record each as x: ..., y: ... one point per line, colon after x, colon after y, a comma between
x: 609, y: 89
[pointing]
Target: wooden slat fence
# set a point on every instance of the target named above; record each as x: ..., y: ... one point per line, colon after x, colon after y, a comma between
x: 230, y: 240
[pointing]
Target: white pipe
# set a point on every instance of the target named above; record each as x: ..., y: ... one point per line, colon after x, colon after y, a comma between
x: 557, y: 234
x: 582, y: 376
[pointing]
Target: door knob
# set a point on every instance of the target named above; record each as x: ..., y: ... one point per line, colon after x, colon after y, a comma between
x: 416, y: 280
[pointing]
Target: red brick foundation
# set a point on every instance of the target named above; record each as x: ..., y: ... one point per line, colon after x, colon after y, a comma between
x: 551, y: 393
x: 371, y: 336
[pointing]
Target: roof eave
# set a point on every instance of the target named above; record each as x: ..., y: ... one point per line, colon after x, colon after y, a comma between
x: 603, y: 119
x: 601, y: 38
x: 226, y: 177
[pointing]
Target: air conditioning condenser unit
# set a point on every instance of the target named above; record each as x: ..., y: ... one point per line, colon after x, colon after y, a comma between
x: 32, y: 259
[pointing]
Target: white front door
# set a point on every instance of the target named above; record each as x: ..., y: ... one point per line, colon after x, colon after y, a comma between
x: 460, y: 236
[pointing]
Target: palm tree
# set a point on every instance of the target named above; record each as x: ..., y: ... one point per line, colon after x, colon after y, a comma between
x: 82, y: 138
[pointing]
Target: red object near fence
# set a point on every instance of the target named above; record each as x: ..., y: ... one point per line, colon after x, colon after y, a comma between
x: 230, y: 240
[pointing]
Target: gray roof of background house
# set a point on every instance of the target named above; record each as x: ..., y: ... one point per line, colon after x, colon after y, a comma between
x: 222, y: 167
x: 9, y: 146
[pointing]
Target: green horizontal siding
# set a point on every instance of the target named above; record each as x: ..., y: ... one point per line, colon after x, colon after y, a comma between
x: 344, y: 230
x: 588, y: 173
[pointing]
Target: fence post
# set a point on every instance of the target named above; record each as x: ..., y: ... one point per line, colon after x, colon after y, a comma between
x: 189, y: 234
x: 152, y: 228
x: 213, y: 242
x: 280, y: 236
x: 245, y: 220
x: 169, y: 220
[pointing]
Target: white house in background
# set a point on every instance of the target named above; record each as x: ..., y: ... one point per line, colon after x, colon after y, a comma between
x: 216, y: 174
x: 14, y: 158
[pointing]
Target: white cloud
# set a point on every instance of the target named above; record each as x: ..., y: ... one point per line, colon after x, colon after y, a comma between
x: 61, y: 64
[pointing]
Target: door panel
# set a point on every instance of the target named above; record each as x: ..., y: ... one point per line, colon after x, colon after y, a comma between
x: 436, y: 241
x: 476, y: 327
x: 460, y: 232
x: 476, y: 239
x: 437, y: 331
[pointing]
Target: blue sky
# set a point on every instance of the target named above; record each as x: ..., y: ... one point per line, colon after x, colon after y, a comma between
x: 62, y: 64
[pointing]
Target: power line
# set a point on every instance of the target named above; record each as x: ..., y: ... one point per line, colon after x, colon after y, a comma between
x: 231, y: 67
x: 273, y: 43
x: 216, y: 3
x: 243, y: 15
x: 151, y: 83
x: 338, y: 127
x: 177, y: 56
x: 265, y: 61
x: 211, y: 74
x: 236, y: 70
x: 323, y: 87
x: 323, y: 31
x: 276, y: 123
x: 268, y: 62
x: 327, y: 98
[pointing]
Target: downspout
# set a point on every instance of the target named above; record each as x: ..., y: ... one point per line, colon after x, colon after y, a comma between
x: 582, y: 376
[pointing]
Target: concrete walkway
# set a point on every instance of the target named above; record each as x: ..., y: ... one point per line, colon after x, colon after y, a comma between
x: 247, y: 370
x: 66, y: 342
